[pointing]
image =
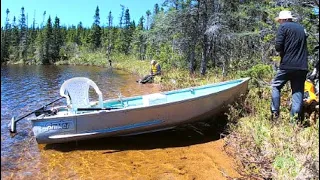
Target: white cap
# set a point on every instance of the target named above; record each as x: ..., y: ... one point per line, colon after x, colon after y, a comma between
x: 284, y: 15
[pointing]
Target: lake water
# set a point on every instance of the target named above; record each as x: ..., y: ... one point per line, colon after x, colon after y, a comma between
x: 177, y: 154
x: 26, y: 88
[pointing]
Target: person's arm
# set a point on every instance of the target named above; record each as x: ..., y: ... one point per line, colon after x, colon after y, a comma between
x: 280, y: 38
x: 158, y: 70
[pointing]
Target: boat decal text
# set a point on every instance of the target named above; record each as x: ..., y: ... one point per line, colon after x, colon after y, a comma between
x: 55, y: 125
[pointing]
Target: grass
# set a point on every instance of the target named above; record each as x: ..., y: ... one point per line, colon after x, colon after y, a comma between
x: 273, y: 150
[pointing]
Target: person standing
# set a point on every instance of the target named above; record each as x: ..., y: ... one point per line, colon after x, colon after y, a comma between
x: 291, y: 43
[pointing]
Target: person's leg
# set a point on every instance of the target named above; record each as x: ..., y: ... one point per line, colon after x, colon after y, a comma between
x: 145, y: 79
x: 297, y: 85
x: 277, y: 83
x: 149, y: 79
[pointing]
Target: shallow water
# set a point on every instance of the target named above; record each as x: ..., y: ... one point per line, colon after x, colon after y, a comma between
x: 190, y: 152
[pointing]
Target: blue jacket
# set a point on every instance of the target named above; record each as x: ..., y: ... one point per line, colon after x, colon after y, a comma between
x: 291, y: 42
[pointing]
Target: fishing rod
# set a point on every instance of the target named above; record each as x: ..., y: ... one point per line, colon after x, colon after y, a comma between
x: 13, y: 123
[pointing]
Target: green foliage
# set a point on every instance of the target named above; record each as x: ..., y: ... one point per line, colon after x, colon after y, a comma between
x: 259, y: 74
x: 57, y: 40
x: 23, y: 45
x: 175, y: 36
x: 260, y: 71
x: 15, y: 38
x: 234, y: 37
x: 268, y: 38
x: 126, y: 34
x: 96, y: 32
x: 290, y: 148
x: 5, y: 40
x: 285, y: 163
x: 48, y: 43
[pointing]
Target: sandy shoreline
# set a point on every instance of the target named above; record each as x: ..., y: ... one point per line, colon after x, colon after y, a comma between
x: 197, y: 161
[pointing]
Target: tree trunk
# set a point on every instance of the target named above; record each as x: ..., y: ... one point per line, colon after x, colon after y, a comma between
x: 203, y: 66
x: 192, y: 64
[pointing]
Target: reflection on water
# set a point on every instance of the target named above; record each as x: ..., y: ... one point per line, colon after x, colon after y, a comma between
x: 162, y: 155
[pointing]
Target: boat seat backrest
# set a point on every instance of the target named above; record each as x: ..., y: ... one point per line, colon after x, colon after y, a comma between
x: 76, y: 91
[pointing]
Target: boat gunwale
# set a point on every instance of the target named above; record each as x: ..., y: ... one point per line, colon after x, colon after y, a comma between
x: 241, y: 81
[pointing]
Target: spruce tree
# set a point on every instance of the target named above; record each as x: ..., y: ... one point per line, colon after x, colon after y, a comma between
x: 79, y: 34
x: 15, y: 34
x: 127, y: 33
x: 5, y: 39
x: 109, y: 35
x: 57, y: 39
x: 156, y: 9
x: 32, y: 35
x: 48, y: 43
x: 121, y: 15
x: 110, y: 20
x: 140, y: 39
x: 23, y: 36
x: 148, y: 13
x: 96, y: 31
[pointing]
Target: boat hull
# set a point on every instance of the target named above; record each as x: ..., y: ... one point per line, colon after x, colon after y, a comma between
x: 138, y: 119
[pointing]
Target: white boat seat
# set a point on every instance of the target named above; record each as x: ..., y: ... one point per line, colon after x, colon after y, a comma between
x: 76, y: 91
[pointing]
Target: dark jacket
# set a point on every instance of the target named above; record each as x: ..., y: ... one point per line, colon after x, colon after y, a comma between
x: 291, y: 42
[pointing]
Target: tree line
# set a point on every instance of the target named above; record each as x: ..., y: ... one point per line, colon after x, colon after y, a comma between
x: 192, y: 34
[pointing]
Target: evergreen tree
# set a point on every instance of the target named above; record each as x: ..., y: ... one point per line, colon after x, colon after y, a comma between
x: 71, y: 34
x: 15, y: 33
x: 148, y: 13
x: 43, y: 19
x: 156, y: 9
x: 23, y: 36
x: 48, y: 43
x: 155, y: 12
x: 127, y: 33
x: 32, y: 35
x: 121, y: 15
x: 57, y: 39
x: 15, y: 38
x: 110, y: 20
x: 140, y: 40
x: 109, y: 35
x: 127, y: 21
x: 39, y: 55
x: 140, y: 23
x: 5, y: 39
x: 79, y: 34
x: 96, y: 31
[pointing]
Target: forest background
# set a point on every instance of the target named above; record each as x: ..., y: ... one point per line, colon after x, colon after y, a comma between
x: 196, y: 42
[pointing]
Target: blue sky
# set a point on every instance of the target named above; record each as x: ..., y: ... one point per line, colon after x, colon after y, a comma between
x: 71, y: 12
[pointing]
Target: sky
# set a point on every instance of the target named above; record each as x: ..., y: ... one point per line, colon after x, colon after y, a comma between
x: 71, y: 12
